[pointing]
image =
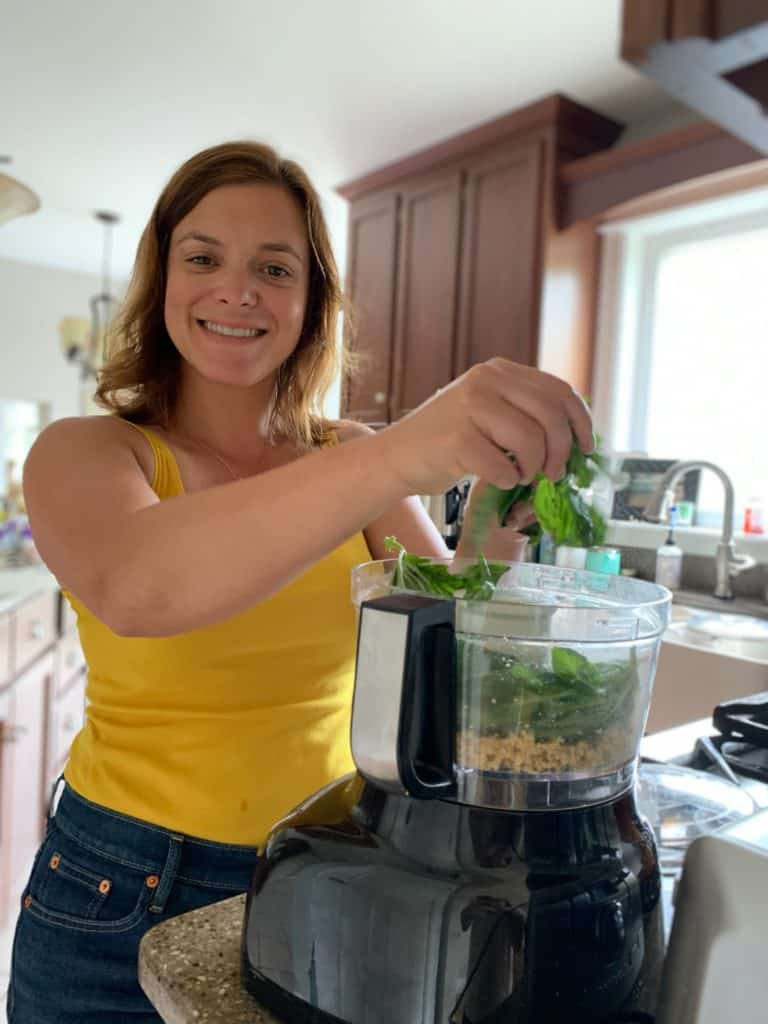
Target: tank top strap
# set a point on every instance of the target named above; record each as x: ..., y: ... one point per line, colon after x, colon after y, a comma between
x: 166, y: 478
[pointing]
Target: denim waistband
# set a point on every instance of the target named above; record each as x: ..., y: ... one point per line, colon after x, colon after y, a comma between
x: 151, y: 848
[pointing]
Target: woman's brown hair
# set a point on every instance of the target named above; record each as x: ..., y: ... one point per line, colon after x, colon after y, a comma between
x: 140, y: 378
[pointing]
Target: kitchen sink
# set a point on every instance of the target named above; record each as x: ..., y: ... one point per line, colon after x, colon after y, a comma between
x: 719, y: 630
x: 705, y: 658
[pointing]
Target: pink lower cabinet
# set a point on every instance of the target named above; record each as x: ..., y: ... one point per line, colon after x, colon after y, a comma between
x: 22, y: 777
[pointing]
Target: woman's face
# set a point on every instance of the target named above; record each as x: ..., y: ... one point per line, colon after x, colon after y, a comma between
x: 238, y: 273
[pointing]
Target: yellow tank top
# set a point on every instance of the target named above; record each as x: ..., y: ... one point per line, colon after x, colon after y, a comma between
x: 221, y: 731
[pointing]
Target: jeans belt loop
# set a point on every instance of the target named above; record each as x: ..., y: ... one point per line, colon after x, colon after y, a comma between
x: 168, y: 875
x: 53, y: 800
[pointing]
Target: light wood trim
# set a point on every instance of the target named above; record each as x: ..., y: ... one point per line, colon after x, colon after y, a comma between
x: 569, y: 305
x: 691, y: 18
x: 644, y: 22
x: 616, y: 159
x: 713, y: 186
x: 592, y: 185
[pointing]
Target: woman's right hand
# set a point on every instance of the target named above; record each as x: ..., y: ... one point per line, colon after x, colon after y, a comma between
x: 472, y: 426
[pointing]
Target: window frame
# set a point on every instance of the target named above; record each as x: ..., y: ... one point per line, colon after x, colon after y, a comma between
x: 631, y: 252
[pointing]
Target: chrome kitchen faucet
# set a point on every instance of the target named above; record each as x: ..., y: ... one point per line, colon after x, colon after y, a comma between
x: 727, y: 563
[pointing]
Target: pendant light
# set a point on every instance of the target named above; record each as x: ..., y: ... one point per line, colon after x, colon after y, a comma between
x: 16, y: 199
x: 84, y: 341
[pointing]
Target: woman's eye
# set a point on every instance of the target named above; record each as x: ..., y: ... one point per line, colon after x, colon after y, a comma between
x: 273, y: 270
x: 200, y: 261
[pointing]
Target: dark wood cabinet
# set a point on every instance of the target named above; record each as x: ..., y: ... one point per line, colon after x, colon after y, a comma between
x: 499, y: 307
x: 428, y: 264
x: 371, y: 280
x: 448, y: 254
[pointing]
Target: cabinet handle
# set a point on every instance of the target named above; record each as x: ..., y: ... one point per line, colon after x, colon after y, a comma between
x: 13, y: 733
x: 380, y: 398
x: 36, y: 630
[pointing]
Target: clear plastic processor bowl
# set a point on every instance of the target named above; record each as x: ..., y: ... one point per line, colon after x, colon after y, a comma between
x: 555, y: 673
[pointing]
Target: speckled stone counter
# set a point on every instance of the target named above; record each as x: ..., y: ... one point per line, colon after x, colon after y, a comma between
x: 189, y: 968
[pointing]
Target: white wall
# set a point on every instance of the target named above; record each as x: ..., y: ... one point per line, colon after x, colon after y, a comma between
x: 33, y: 299
x: 336, y: 211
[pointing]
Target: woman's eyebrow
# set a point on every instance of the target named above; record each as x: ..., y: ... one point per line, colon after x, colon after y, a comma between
x: 197, y: 237
x: 282, y: 247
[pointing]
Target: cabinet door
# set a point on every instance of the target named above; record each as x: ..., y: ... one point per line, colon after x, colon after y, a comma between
x: 22, y: 796
x: 65, y: 719
x: 371, y: 288
x: 427, y: 282
x: 500, y: 291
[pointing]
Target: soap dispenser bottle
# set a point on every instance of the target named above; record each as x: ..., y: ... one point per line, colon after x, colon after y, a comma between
x: 669, y: 557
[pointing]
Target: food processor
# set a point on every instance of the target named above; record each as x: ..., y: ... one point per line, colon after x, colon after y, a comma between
x: 487, y: 863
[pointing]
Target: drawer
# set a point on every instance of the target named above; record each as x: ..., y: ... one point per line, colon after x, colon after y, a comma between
x: 67, y: 714
x: 34, y: 628
x: 69, y: 660
x: 68, y: 617
x: 5, y: 649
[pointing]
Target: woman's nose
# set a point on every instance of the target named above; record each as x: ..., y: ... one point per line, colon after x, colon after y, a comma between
x: 239, y: 290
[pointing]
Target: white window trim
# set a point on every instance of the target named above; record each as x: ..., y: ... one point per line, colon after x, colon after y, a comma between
x: 629, y: 260
x: 630, y: 254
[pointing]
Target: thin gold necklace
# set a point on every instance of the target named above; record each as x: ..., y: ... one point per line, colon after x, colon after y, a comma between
x: 211, y: 451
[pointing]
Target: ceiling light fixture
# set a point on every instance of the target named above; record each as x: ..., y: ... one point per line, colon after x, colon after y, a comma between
x: 84, y: 341
x: 16, y: 199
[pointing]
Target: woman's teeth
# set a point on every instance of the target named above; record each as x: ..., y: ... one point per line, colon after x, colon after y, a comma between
x: 233, y: 332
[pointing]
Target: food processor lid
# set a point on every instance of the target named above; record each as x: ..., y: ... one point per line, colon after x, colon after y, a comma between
x: 682, y: 804
x: 543, y: 602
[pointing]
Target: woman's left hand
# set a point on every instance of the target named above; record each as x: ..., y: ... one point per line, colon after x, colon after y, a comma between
x: 503, y: 542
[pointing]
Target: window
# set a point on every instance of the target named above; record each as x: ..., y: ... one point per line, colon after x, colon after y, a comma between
x: 683, y: 343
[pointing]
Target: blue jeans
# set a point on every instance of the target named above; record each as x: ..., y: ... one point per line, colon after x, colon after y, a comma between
x: 99, y: 881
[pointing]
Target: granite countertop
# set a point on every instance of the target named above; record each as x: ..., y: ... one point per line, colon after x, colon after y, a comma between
x: 189, y: 968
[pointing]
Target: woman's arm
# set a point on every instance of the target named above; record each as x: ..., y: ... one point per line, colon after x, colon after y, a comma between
x: 407, y: 519
x: 151, y: 568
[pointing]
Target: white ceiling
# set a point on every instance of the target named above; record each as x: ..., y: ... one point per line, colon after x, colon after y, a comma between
x: 103, y: 99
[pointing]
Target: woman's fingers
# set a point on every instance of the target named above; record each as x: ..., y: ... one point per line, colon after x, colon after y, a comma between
x: 542, y: 441
x: 520, y: 516
x: 485, y: 459
x: 514, y: 432
x: 499, y: 421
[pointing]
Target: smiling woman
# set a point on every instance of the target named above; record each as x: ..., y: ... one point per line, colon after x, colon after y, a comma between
x: 234, y: 301
x: 210, y: 239
x: 205, y: 535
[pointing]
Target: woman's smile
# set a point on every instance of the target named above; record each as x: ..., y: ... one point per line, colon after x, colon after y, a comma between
x: 231, y: 331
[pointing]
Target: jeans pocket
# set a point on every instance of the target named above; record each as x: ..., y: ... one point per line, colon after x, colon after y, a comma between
x: 76, y: 887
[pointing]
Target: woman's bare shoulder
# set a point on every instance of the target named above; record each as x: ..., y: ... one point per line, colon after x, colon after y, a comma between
x: 88, y: 434
x: 348, y: 430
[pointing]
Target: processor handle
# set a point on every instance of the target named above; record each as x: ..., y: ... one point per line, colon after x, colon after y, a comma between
x: 404, y: 707
x: 427, y: 748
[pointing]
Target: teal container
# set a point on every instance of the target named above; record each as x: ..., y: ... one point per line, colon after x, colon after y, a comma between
x: 606, y: 560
